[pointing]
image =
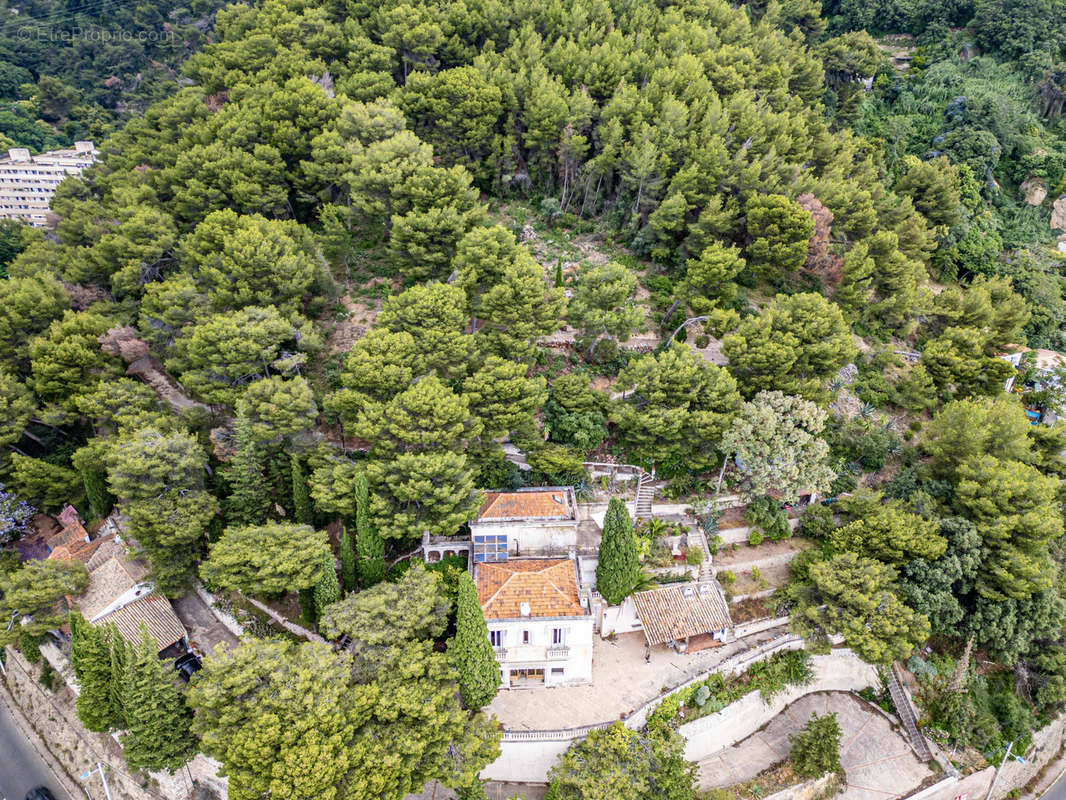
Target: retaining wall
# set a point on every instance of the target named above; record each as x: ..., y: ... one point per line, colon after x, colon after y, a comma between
x: 836, y: 672
x: 1047, y: 744
x: 740, y: 535
x: 526, y: 756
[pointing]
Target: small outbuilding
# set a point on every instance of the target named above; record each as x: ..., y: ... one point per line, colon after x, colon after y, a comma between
x: 688, y: 617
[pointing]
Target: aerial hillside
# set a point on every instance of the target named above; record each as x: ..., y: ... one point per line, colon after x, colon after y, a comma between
x: 341, y: 268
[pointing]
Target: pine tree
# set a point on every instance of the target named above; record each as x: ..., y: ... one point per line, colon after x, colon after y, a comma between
x: 619, y: 566
x: 471, y: 652
x: 349, y: 576
x: 369, y: 546
x: 327, y: 590
x: 158, y: 722
x: 247, y: 503
x: 301, y: 498
x: 90, y: 655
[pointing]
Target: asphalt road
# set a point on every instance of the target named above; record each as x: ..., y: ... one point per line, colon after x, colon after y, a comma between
x: 21, y: 769
x: 1057, y: 790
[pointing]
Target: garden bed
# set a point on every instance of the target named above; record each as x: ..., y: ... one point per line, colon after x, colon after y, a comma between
x: 776, y: 779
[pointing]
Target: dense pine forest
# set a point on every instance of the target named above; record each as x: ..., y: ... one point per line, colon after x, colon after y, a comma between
x: 353, y: 249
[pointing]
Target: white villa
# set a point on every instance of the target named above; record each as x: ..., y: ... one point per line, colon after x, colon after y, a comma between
x: 540, y: 622
x: 535, y: 521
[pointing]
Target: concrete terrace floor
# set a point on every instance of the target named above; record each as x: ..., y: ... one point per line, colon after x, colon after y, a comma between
x: 621, y: 683
x: 879, y: 762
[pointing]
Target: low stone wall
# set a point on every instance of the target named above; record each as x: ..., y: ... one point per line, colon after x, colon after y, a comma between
x: 760, y: 625
x: 808, y: 790
x: 526, y: 756
x: 842, y: 671
x: 740, y: 535
x: 1046, y: 747
x: 76, y: 749
x: 55, y: 719
x: 228, y: 621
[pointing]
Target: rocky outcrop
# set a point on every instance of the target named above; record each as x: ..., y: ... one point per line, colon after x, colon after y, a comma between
x: 1035, y: 191
x: 1058, y: 214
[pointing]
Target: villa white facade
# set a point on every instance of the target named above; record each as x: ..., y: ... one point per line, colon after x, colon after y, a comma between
x: 540, y: 624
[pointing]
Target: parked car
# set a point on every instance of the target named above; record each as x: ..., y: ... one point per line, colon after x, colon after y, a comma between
x: 187, y: 664
x: 40, y: 793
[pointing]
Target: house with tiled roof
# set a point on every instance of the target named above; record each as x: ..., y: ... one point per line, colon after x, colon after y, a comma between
x: 688, y: 617
x: 119, y: 592
x: 532, y: 521
x: 539, y: 619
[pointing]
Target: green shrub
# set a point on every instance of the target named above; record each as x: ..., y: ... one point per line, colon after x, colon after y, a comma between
x: 755, y: 538
x: 694, y: 556
x: 816, y: 748
x: 702, y: 340
x: 767, y: 514
x: 817, y: 522
x: 727, y: 577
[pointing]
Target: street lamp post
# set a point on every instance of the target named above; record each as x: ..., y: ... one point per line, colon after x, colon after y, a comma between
x: 103, y: 778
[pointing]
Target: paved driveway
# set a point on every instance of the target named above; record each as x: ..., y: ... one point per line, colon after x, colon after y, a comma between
x: 621, y: 682
x: 877, y: 760
x: 205, y: 631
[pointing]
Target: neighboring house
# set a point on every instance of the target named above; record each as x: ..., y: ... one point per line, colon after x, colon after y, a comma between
x: 119, y: 592
x: 688, y: 617
x: 28, y: 183
x: 1047, y: 366
x: 539, y: 620
x: 1013, y: 356
x: 538, y: 521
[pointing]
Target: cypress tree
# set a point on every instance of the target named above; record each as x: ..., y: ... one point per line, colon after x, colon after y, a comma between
x: 349, y: 577
x: 100, y: 499
x: 121, y: 655
x: 247, y: 503
x: 471, y: 652
x: 558, y: 272
x: 618, y: 569
x: 307, y: 605
x: 90, y: 655
x: 301, y: 498
x: 158, y: 721
x: 368, y: 544
x: 327, y: 590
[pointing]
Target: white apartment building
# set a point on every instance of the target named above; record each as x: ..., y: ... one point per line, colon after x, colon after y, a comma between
x: 28, y: 183
x: 539, y: 625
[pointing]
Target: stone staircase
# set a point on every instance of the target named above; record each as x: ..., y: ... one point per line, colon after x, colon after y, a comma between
x: 647, y: 486
x: 907, y: 715
x: 706, y: 568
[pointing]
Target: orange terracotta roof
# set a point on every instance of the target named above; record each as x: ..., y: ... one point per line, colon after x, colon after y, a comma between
x: 67, y: 536
x: 552, y: 503
x: 548, y: 585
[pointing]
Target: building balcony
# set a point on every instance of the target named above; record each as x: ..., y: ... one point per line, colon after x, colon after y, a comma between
x: 557, y: 652
x: 501, y: 653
